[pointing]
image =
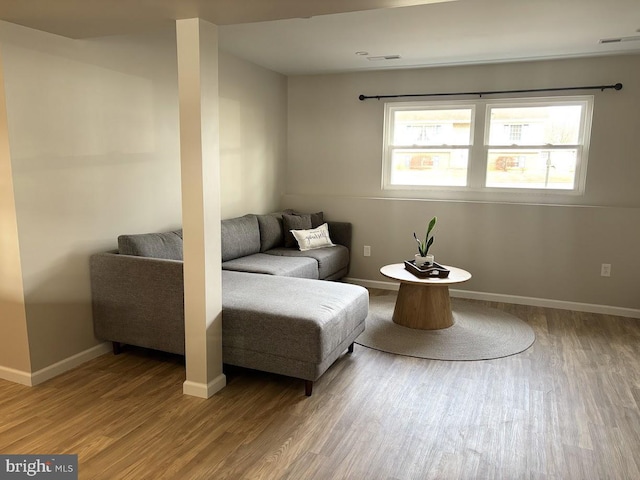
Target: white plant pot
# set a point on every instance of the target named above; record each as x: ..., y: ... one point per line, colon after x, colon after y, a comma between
x: 424, y: 261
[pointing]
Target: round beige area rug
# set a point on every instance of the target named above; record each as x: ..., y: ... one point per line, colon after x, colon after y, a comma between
x: 478, y: 333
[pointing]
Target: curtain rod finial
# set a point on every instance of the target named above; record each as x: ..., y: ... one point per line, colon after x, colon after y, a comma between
x: 618, y: 86
x: 362, y: 97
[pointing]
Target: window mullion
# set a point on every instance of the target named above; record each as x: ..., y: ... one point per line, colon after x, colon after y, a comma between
x: 478, y: 151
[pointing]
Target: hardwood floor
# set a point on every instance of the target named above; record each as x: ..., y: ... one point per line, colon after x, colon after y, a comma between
x: 567, y: 408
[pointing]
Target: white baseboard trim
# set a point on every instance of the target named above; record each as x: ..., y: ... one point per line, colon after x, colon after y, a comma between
x: 15, y: 376
x: 200, y: 390
x: 73, y: 361
x: 515, y: 299
x: 30, y: 379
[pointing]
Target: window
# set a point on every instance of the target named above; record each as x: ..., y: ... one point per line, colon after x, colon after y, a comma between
x: 429, y: 146
x: 530, y: 144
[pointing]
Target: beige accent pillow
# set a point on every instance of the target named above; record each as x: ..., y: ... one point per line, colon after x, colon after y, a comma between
x: 314, y: 238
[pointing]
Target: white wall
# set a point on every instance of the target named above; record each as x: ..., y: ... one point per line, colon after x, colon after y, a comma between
x: 543, y: 251
x: 93, y: 130
x: 94, y: 136
x: 253, y: 127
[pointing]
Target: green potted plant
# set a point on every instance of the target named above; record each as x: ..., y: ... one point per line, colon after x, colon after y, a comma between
x: 423, y: 257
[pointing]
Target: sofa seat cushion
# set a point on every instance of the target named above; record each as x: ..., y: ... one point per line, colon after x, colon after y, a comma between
x: 331, y: 260
x: 292, y: 318
x: 302, y: 267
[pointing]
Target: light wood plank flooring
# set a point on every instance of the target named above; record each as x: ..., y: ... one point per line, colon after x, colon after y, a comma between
x: 567, y: 408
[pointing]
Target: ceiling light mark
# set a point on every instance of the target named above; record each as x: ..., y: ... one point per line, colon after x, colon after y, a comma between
x: 384, y: 57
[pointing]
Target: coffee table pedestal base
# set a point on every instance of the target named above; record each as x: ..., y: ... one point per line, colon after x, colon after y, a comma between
x: 425, y: 307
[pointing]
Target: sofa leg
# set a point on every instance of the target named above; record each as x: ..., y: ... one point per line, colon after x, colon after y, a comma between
x: 350, y: 349
x: 308, y: 387
x: 117, y: 348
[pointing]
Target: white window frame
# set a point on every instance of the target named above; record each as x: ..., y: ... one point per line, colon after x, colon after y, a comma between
x: 389, y: 147
x: 479, y: 148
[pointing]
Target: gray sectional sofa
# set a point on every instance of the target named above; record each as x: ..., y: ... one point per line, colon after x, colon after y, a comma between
x: 277, y: 316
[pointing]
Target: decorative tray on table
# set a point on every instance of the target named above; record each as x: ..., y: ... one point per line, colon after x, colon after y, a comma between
x: 435, y: 270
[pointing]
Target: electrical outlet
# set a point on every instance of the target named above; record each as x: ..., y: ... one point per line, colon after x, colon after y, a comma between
x: 605, y: 270
x: 367, y: 251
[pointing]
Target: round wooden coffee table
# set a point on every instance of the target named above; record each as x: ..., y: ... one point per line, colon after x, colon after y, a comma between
x: 423, y: 303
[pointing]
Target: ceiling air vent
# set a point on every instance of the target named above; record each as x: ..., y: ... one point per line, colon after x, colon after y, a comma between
x: 384, y: 57
x: 620, y: 39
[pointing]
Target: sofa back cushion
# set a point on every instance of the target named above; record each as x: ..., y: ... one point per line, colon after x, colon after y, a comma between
x: 270, y: 231
x: 166, y: 245
x: 240, y: 237
x: 299, y: 221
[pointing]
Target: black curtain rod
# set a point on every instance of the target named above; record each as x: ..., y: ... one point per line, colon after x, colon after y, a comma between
x: 617, y: 86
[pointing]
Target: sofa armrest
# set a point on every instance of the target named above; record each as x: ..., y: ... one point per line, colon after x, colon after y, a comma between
x: 340, y: 233
x: 138, y: 301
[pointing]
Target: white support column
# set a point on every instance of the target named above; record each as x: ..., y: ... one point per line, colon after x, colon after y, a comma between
x: 197, y: 46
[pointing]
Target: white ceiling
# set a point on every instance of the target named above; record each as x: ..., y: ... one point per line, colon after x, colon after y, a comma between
x: 457, y: 32
x: 316, y: 36
x: 96, y: 18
